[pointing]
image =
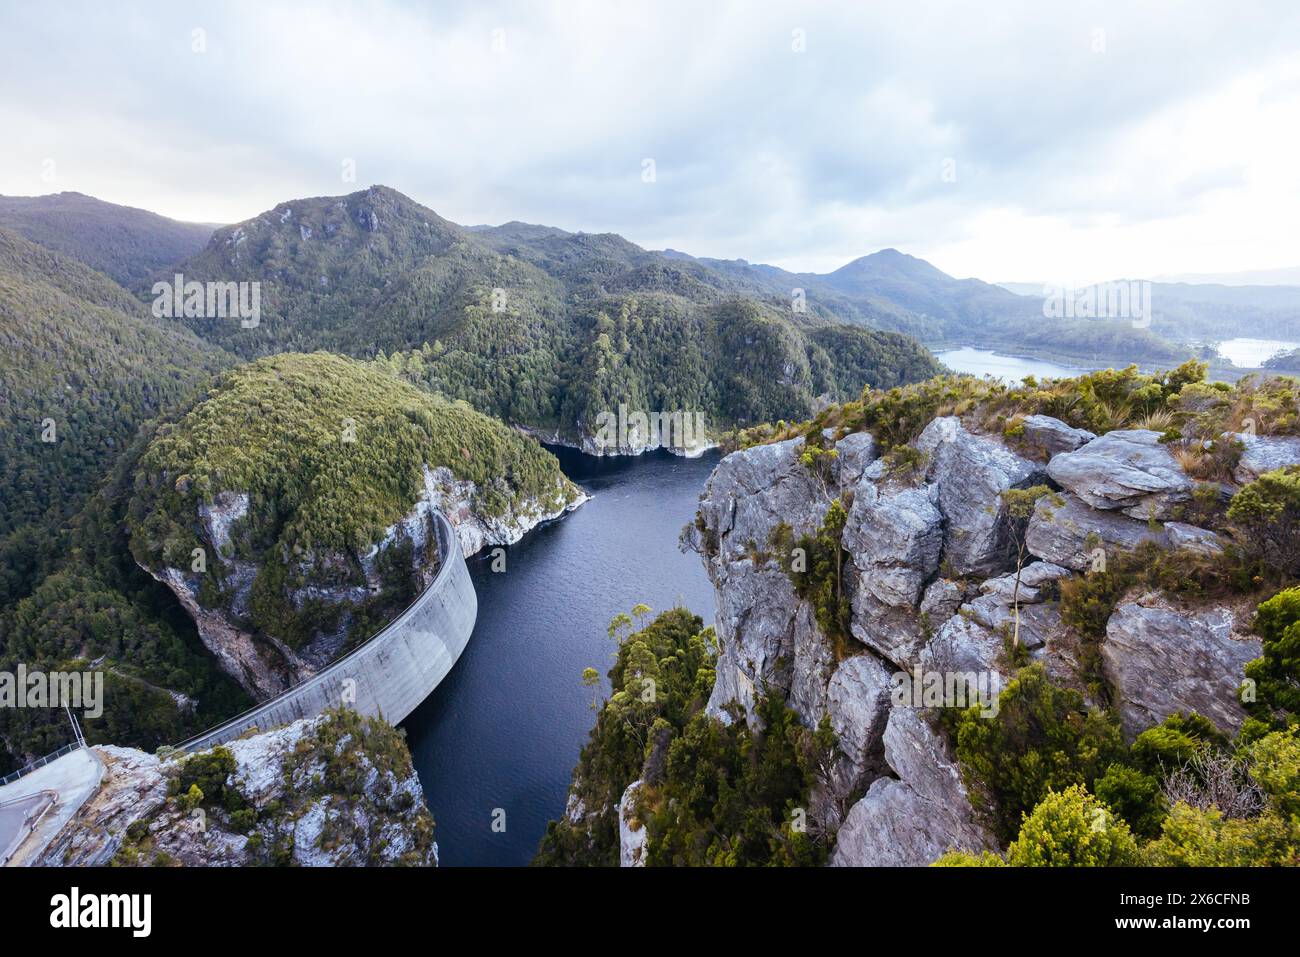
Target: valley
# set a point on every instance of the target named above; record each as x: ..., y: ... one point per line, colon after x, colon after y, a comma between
x: 236, y: 502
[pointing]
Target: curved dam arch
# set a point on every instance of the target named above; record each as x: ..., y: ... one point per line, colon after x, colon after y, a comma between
x: 393, y: 671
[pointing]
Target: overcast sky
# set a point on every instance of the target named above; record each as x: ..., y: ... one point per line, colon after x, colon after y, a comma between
x: 1063, y: 142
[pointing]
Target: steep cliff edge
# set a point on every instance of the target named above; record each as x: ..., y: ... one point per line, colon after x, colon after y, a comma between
x: 954, y: 547
x: 983, y: 606
x: 290, y: 510
x: 336, y: 790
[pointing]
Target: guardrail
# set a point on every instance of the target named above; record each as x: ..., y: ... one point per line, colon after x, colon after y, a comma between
x: 26, y: 769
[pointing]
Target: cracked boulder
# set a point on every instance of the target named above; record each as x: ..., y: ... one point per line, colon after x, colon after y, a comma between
x: 914, y: 818
x: 858, y: 703
x: 971, y: 472
x: 1264, y: 453
x: 1128, y: 470
x: 1071, y: 533
x: 1048, y: 436
x: 1160, y: 660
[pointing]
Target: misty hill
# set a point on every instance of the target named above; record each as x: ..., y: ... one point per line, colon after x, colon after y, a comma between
x: 1185, y: 312
x: 892, y: 290
x: 122, y: 242
x: 538, y: 326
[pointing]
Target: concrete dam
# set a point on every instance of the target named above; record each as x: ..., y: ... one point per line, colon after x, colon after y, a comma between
x: 393, y: 671
x: 387, y: 676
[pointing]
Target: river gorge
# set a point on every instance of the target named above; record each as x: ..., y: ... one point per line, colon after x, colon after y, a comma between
x: 496, y: 743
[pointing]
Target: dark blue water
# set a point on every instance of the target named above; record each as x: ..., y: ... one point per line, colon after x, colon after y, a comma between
x: 503, y: 730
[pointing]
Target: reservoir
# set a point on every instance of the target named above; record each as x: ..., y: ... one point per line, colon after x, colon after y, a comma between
x: 496, y: 743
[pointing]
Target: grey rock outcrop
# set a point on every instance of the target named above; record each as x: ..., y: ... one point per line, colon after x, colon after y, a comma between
x: 1264, y: 453
x: 964, y: 645
x: 385, y: 821
x: 971, y: 472
x: 942, y: 598
x: 977, y: 638
x: 765, y: 633
x: 897, y: 633
x: 895, y: 535
x: 1068, y: 534
x: 1129, y: 470
x: 751, y: 492
x: 858, y: 702
x: 913, y: 819
x: 856, y: 451
x: 1184, y: 537
x: 1048, y: 436
x: 632, y: 836
x: 1161, y: 660
x: 932, y: 589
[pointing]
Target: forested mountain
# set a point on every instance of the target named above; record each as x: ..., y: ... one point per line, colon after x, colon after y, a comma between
x: 83, y: 366
x: 125, y: 243
x: 541, y: 327
x: 892, y: 290
x: 305, y: 484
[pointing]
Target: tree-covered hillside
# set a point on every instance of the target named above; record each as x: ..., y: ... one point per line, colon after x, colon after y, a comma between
x: 84, y: 369
x: 83, y: 366
x: 124, y: 243
x: 542, y: 327
x: 326, y: 456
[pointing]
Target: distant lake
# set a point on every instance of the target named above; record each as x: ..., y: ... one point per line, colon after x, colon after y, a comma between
x: 1010, y: 369
x: 1253, y: 353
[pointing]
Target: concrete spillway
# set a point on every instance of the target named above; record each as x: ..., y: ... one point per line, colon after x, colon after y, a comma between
x: 393, y: 671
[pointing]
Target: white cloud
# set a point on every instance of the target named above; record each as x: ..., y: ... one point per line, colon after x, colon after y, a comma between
x: 1170, y: 151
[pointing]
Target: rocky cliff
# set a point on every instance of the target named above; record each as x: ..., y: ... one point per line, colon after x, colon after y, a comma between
x: 337, y: 586
x: 292, y: 532
x: 943, y: 579
x: 336, y: 790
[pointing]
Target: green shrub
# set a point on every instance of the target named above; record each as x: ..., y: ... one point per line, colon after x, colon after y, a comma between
x: 1205, y: 838
x: 1172, y: 743
x: 967, y: 859
x: 1276, y: 673
x: 1266, y: 514
x: 712, y: 793
x: 208, y: 773
x: 1135, y: 797
x: 1071, y: 828
x: 1042, y: 738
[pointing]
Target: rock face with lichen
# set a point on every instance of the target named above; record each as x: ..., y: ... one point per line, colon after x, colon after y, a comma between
x: 1161, y: 659
x: 335, y: 790
x: 932, y: 586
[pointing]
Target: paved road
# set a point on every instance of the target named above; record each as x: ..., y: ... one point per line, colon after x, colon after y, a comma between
x: 57, y: 790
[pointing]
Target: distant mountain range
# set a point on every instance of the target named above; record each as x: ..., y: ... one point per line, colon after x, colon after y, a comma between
x: 890, y: 289
x: 122, y: 242
x: 1210, y: 312
x: 1254, y: 277
x: 542, y: 328
x: 421, y: 255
